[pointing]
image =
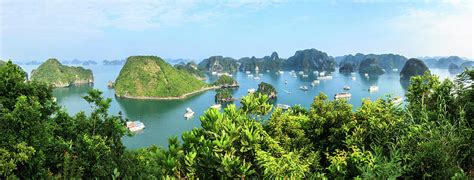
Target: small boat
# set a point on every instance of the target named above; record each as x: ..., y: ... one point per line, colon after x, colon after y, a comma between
x: 292, y: 71
x: 325, y: 77
x: 213, y: 73
x: 216, y: 106
x: 283, y: 106
x: 286, y: 82
x: 395, y: 70
x: 135, y: 126
x: 301, y: 73
x: 353, y: 73
x: 268, y: 70
x: 260, y: 74
x: 397, y: 100
x: 304, y: 75
x: 366, y: 75
x: 316, y: 81
x: 281, y: 72
x: 304, y: 88
x: 315, y: 72
x: 189, y: 113
x: 294, y: 75
x: 354, y: 78
x: 110, y: 84
x: 373, y: 88
x: 323, y: 73
x: 343, y: 95
x: 256, y: 78
x: 252, y: 90
x: 347, y: 88
x: 247, y: 72
x: 250, y: 76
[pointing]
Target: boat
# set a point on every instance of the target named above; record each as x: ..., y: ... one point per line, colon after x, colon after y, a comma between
x: 353, y: 73
x: 325, y: 77
x: 247, y: 72
x: 373, y: 88
x: 110, y: 84
x: 252, y: 90
x: 304, y: 75
x: 294, y: 75
x: 54, y: 99
x: 288, y: 92
x: 301, y: 73
x: 256, y: 78
x: 343, y: 95
x: 281, y: 72
x: 323, y: 73
x: 366, y: 75
x: 283, y: 106
x: 213, y: 73
x: 250, y: 76
x: 286, y: 82
x: 135, y: 126
x: 216, y: 106
x: 354, y: 78
x: 268, y: 71
x: 260, y: 74
x: 395, y: 70
x: 315, y: 72
x: 347, y: 88
x: 189, y: 113
x: 304, y: 88
x: 397, y: 100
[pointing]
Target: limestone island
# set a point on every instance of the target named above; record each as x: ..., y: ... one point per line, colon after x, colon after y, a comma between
x: 52, y: 72
x: 150, y: 77
x: 413, y: 67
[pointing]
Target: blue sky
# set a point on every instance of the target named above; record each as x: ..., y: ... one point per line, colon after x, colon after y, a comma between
x: 37, y: 30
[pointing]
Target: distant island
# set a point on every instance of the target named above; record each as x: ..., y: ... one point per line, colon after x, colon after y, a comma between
x: 150, y: 77
x: 113, y: 62
x: 444, y: 62
x: 370, y: 66
x: 52, y: 72
x: 219, y: 64
x: 267, y: 89
x: 388, y: 62
x: 191, y: 67
x: 413, y: 67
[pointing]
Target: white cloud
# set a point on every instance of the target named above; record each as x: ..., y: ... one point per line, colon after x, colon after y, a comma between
x: 446, y: 30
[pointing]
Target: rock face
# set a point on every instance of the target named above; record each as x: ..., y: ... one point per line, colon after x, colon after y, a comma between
x: 413, y: 67
x: 454, y: 69
x: 447, y: 61
x: 272, y: 63
x: 348, y: 68
x: 150, y: 77
x: 388, y: 62
x: 370, y: 66
x: 219, y: 64
x: 54, y: 73
x: 191, y: 67
x: 225, y: 81
x: 310, y: 60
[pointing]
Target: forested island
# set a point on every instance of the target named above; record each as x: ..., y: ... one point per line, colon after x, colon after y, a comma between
x: 52, y: 72
x: 388, y: 62
x: 191, y: 67
x: 150, y: 77
x: 413, y: 67
x: 429, y: 137
x: 370, y: 66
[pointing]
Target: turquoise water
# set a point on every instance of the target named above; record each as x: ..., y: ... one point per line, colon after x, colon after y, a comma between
x: 165, y: 118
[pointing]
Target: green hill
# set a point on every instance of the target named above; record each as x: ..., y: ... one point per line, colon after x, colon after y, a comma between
x: 191, y: 67
x: 413, y: 67
x: 54, y: 73
x: 150, y: 77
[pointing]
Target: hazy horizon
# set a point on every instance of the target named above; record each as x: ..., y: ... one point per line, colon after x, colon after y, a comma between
x: 98, y: 30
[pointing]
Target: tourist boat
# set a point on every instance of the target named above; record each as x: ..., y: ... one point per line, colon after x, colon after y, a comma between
x: 288, y: 92
x: 395, y: 70
x: 292, y: 71
x: 343, y: 95
x: 322, y: 73
x: 110, y: 84
x: 294, y: 75
x: 325, y: 77
x: 353, y: 73
x: 281, y: 72
x: 260, y: 74
x: 304, y: 88
x: 315, y: 72
x: 283, y: 106
x: 189, y: 113
x: 250, y: 76
x: 397, y: 100
x: 286, y: 82
x: 213, y: 73
x: 354, y: 78
x: 301, y: 73
x: 268, y: 71
x: 373, y: 88
x: 256, y: 78
x: 247, y: 72
x: 347, y: 88
x: 135, y: 126
x: 304, y: 75
x: 216, y: 106
x: 252, y: 90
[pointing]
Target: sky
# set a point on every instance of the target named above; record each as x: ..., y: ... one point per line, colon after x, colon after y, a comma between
x: 116, y: 29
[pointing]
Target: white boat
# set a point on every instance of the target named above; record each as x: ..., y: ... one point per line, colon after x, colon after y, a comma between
x: 135, y: 126
x: 281, y: 72
x: 288, y: 92
x: 354, y: 78
x: 250, y: 76
x: 343, y: 95
x: 316, y: 81
x: 353, y: 73
x: 315, y: 72
x: 325, y: 77
x: 292, y: 71
x: 294, y: 75
x: 268, y: 71
x: 256, y: 78
x: 301, y: 73
x: 260, y: 74
x: 397, y: 100
x: 366, y: 75
x: 286, y: 82
x: 304, y: 75
x: 283, y: 106
x: 304, y: 88
x: 252, y: 90
x: 373, y: 88
x: 189, y: 113
x: 213, y: 73
x: 216, y: 106
x: 347, y: 88
x: 247, y: 72
x: 395, y: 70
x: 323, y: 73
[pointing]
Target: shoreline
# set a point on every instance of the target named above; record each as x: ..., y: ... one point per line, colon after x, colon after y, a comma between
x: 184, y: 96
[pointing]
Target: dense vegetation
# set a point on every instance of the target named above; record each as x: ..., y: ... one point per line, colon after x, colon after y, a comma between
x: 272, y: 63
x: 431, y: 137
x: 413, y: 67
x: 223, y: 95
x: 348, y: 68
x: 191, y: 67
x: 370, y: 66
x: 226, y: 82
x: 54, y: 73
x: 267, y: 89
x: 151, y: 76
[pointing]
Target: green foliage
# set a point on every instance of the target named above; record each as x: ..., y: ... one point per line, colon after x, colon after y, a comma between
x: 413, y: 67
x: 150, y: 76
x: 223, y: 95
x: 219, y: 64
x: 370, y: 66
x: 225, y: 81
x: 191, y: 68
x: 267, y: 89
x: 54, y: 73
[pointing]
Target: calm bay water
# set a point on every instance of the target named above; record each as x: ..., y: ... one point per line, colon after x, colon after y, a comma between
x: 165, y: 118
